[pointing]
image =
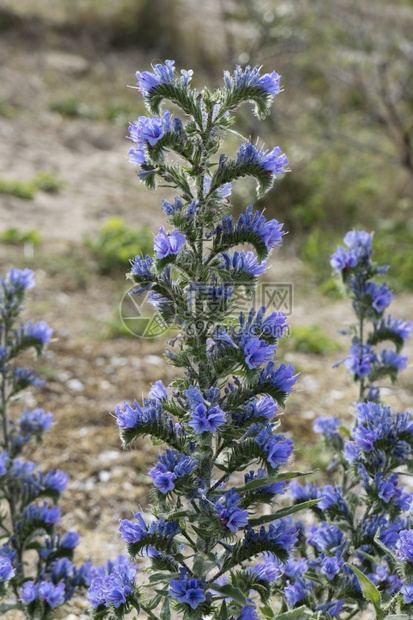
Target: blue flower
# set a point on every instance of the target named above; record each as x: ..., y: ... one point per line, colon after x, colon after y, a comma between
x: 158, y: 391
x: 294, y: 593
x: 279, y: 535
x: 269, y: 571
x: 241, y: 262
x: 206, y: 420
x: 28, y: 592
x: 360, y: 360
x: 269, y: 82
x: 330, y: 567
x: 333, y: 498
x: 35, y: 421
x: 70, y: 541
x: 359, y: 242
x: 325, y: 537
x: 56, y: 481
x: 342, y: 260
x: 163, y: 74
x: 167, y: 245
x: 189, y: 591
x: 391, y: 358
x: 23, y: 377
x: 380, y: 295
x: 404, y: 546
x: 258, y: 352
x: 150, y: 130
x: 327, y: 427
x: 142, y: 268
x: 112, y: 584
x: 255, y: 223
x: 133, y: 532
x: 333, y: 609
x: 137, y: 156
x: 163, y: 480
x: 227, y: 511
x: 6, y: 569
x: 34, y: 512
x: 407, y: 592
x: 21, y: 278
x: 299, y: 494
x: 351, y: 452
x: 248, y: 613
x: 51, y: 594
x: 402, y: 329
x: 4, y: 459
x: 274, y: 163
x: 283, y: 378
x: 39, y: 331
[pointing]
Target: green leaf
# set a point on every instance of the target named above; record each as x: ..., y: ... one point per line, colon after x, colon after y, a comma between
x: 288, y: 475
x: 369, y: 589
x: 283, y: 512
x: 294, y: 613
x: 223, y: 612
x: 268, y: 612
x: 165, y: 611
x: 257, y: 484
x: 231, y: 592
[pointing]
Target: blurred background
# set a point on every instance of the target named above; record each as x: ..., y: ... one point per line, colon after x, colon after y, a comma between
x: 72, y: 208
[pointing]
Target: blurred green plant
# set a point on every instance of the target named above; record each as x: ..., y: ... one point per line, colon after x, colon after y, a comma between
x: 26, y: 190
x: 14, y: 236
x: 311, y: 339
x: 71, y: 107
x: 48, y: 182
x: 116, y: 243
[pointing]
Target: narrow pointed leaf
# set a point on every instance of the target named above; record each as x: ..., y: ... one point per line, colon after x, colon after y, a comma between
x: 295, y: 613
x: 369, y: 589
x: 230, y: 592
x: 283, y: 512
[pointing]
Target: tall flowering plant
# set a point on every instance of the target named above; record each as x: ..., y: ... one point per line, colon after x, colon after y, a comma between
x: 358, y: 554
x: 219, y: 418
x: 29, y: 518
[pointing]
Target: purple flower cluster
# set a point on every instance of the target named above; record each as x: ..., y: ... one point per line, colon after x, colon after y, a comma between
x: 359, y: 251
x: 134, y: 532
x: 249, y: 223
x: 188, y: 591
x: 168, y: 245
x: 282, y: 378
x: 279, y: 535
x: 112, y: 584
x: 46, y: 591
x: 269, y: 82
x: 227, y: 511
x: 277, y: 448
x: 35, y: 513
x: 171, y: 466
x: 149, y: 130
x: 6, y: 568
x: 273, y: 163
x: 162, y: 74
x: 243, y: 263
x: 206, y: 420
x: 258, y: 352
x: 39, y: 331
x: 21, y: 279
